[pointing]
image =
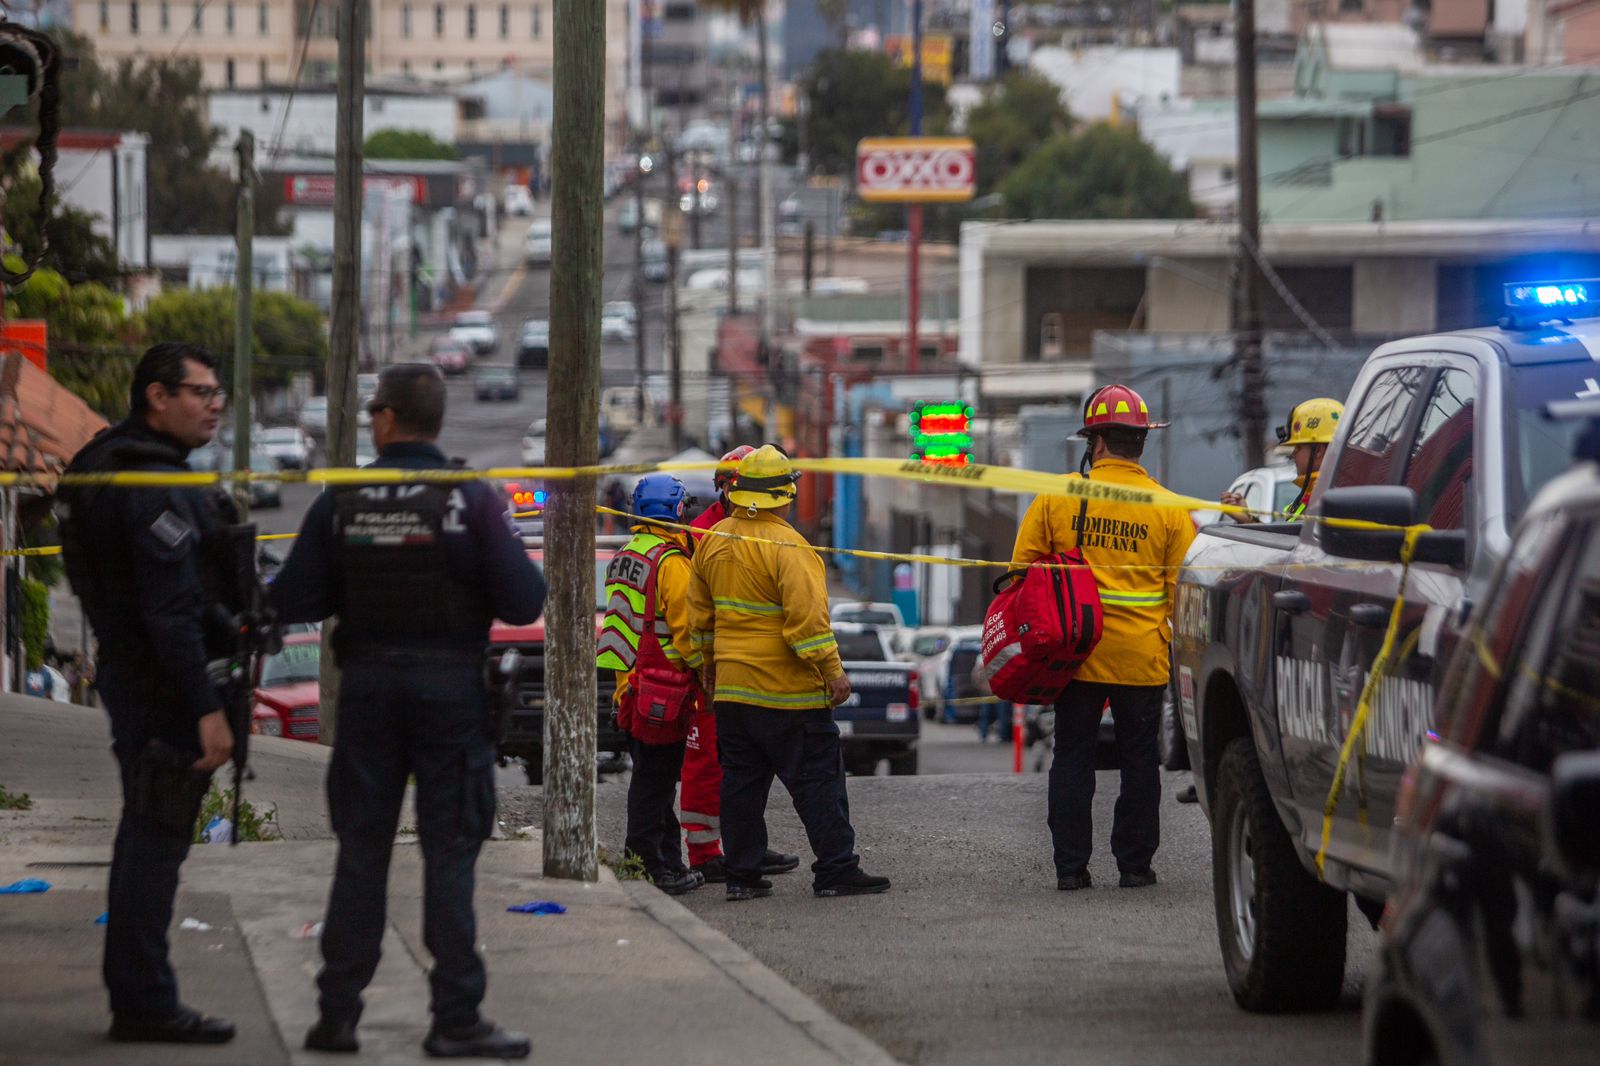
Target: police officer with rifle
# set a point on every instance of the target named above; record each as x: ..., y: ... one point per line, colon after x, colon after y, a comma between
x: 415, y: 573
x: 152, y: 568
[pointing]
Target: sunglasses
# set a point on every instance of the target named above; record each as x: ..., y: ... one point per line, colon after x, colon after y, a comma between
x: 374, y: 407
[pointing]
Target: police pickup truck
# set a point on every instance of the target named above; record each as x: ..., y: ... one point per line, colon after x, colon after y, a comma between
x: 1277, y: 624
x: 880, y: 720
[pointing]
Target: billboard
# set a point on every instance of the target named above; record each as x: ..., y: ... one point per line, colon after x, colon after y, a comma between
x: 915, y: 170
x: 937, y: 55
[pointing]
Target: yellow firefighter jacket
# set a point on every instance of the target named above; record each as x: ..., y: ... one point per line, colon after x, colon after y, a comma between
x: 672, y: 605
x: 759, y: 615
x: 1138, y: 603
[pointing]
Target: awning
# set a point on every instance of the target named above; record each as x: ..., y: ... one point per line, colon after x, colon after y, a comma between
x: 42, y: 424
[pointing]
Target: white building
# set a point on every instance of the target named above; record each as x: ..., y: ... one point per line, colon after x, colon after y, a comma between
x: 304, y: 122
x: 103, y: 173
x: 1091, y: 79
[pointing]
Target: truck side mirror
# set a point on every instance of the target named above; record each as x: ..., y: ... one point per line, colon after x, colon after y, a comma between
x: 1574, y: 798
x: 1389, y: 505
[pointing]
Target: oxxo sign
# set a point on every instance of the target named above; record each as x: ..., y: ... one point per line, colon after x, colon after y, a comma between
x: 915, y: 170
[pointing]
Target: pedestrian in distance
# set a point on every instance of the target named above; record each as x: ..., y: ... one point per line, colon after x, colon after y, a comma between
x: 1135, y: 552
x: 645, y: 638
x: 702, y: 772
x: 759, y: 612
x: 413, y: 630
x: 137, y: 558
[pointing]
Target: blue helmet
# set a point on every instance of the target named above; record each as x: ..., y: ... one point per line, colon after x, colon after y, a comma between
x: 660, y: 496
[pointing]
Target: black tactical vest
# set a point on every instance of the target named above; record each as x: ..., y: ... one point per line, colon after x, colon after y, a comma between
x: 394, y: 565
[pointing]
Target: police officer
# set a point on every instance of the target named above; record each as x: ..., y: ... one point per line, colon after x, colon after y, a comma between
x: 646, y: 631
x: 1309, y: 430
x: 1135, y: 551
x: 702, y: 774
x: 759, y: 612
x: 136, y: 558
x: 413, y: 629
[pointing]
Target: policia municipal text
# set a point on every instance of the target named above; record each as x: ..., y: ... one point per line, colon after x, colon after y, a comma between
x: 412, y: 633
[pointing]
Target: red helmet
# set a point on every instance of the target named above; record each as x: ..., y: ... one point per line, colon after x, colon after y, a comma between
x: 1116, y: 405
x: 728, y: 469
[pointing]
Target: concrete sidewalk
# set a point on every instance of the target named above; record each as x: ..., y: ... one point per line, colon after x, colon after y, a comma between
x: 626, y: 973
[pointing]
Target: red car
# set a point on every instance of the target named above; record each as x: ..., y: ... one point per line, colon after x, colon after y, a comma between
x: 450, y: 356
x: 287, y: 702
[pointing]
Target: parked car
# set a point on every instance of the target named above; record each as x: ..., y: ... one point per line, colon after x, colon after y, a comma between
x: 476, y: 329
x: 533, y: 346
x: 1265, y: 488
x: 536, y: 244
x: 497, y: 383
x: 1488, y: 952
x: 879, y: 720
x: 628, y: 215
x: 313, y: 418
x: 925, y: 646
x: 533, y: 449
x: 615, y: 325
x: 450, y: 355
x: 875, y: 614
x: 288, y: 446
x: 265, y: 491
x: 519, y: 199
x: 288, y: 699
x: 655, y: 265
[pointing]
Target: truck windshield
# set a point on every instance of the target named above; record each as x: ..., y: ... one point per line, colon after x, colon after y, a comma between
x: 1539, y: 448
x: 860, y: 646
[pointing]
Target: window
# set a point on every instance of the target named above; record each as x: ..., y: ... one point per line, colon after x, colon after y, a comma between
x: 227, y: 19
x: 438, y: 64
x: 505, y: 21
x: 227, y: 73
x: 867, y: 353
x: 105, y: 17
x: 538, y: 21
x: 1371, y: 449
x: 405, y: 67
x: 166, y: 16
x: 405, y: 20
x: 1440, y: 467
x: 678, y: 12
x: 438, y: 24
x: 133, y: 18
x: 864, y: 646
x: 194, y: 23
x: 263, y: 23
x: 472, y: 21
x: 261, y: 72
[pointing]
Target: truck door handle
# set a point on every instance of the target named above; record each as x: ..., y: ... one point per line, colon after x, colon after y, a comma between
x: 1370, y: 615
x: 1291, y: 602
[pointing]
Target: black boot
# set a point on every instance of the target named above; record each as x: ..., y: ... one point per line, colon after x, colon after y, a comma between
x: 333, y: 1034
x: 1073, y: 882
x: 855, y: 883
x: 776, y: 862
x: 739, y: 891
x: 713, y: 871
x: 1187, y: 794
x: 1137, y: 878
x: 185, y: 1027
x: 485, y: 1040
x: 677, y: 882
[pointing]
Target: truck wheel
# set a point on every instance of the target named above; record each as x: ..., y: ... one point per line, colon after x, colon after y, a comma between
x: 903, y: 765
x: 930, y: 710
x: 1174, y: 751
x: 1282, y: 933
x: 533, y: 766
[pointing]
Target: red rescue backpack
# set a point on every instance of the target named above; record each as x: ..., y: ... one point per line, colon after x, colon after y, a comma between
x: 1042, y: 625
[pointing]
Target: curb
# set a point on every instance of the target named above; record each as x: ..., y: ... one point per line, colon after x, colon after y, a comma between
x: 798, y: 1009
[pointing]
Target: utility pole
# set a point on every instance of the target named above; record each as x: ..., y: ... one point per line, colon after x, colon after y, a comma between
x: 574, y: 408
x: 672, y: 231
x: 344, y: 330
x: 639, y: 173
x: 913, y: 360
x: 1247, y: 301
x: 243, y: 279
x: 732, y: 195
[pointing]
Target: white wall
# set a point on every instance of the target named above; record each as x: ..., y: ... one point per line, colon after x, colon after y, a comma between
x: 312, y: 119
x: 1091, y: 77
x: 84, y: 180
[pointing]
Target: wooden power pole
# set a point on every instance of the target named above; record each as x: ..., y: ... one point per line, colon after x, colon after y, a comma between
x: 1247, y: 318
x: 344, y: 341
x: 574, y: 409
x: 243, y: 280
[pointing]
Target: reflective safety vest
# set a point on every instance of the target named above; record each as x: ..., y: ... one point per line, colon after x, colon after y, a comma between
x: 630, y: 589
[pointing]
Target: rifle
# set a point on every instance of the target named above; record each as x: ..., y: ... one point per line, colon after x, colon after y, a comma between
x: 249, y: 632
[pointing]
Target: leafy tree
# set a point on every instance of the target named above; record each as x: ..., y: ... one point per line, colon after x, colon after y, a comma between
x: 93, y: 343
x: 406, y: 144
x: 852, y: 95
x: 75, y: 250
x: 1102, y: 172
x: 287, y: 333
x: 1012, y: 123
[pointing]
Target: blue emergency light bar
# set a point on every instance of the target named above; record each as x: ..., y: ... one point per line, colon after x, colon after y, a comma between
x: 1553, y: 296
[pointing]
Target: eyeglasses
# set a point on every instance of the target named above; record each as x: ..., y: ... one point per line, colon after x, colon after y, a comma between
x: 374, y: 407
x: 205, y: 393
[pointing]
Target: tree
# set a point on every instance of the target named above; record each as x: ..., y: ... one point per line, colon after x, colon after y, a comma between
x: 852, y: 95
x: 76, y: 251
x: 1011, y: 124
x: 94, y: 344
x: 406, y: 144
x: 1103, y: 171
x: 287, y: 333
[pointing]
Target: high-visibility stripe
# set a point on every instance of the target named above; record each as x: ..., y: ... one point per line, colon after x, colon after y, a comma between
x: 699, y: 818
x: 801, y: 700
x: 702, y: 638
x: 748, y: 606
x: 703, y: 836
x: 814, y: 643
x: 625, y: 598
x: 1133, y: 599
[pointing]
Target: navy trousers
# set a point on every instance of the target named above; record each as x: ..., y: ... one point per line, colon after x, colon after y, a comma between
x: 1136, y: 821
x: 801, y: 749
x: 399, y: 716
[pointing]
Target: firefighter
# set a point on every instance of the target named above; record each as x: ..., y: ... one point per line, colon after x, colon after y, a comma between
x: 1308, y: 430
x: 759, y: 611
x: 646, y: 635
x: 1128, y: 668
x: 702, y: 775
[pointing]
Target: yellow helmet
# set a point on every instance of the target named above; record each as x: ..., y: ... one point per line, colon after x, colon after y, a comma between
x: 1311, y: 422
x: 765, y: 479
